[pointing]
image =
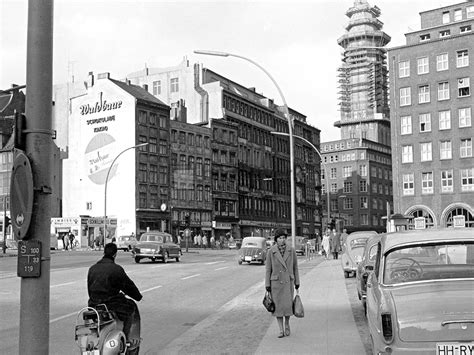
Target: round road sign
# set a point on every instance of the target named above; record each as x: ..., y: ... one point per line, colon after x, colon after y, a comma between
x: 21, y: 195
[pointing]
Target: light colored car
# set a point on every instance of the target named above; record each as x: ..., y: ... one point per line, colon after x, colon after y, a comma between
x: 300, y: 244
x: 254, y: 249
x: 366, y: 266
x: 156, y: 245
x: 353, y: 250
x: 420, y: 296
x: 126, y: 242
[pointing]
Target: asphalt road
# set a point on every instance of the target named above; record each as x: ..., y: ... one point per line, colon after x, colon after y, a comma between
x: 177, y: 297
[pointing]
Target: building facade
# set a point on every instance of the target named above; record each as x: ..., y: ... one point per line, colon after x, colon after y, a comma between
x: 358, y: 167
x: 431, y: 113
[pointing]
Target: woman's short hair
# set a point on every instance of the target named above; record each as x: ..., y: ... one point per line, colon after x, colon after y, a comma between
x: 279, y: 232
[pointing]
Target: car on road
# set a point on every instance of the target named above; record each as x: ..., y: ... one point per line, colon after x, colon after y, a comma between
x: 125, y: 242
x: 353, y: 249
x: 253, y: 249
x: 420, y: 294
x: 156, y: 245
x: 300, y: 244
x: 235, y: 244
x: 366, y: 266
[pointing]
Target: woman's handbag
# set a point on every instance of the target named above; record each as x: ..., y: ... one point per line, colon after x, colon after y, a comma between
x: 268, y: 302
x: 298, y: 309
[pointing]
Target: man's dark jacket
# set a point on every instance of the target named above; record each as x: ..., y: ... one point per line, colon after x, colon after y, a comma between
x: 105, y: 280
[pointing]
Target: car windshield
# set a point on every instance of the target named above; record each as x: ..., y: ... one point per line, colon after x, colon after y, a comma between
x: 429, y: 262
x: 250, y: 244
x: 358, y: 243
x: 152, y: 238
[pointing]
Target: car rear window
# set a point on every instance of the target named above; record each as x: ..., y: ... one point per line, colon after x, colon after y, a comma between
x: 433, y: 261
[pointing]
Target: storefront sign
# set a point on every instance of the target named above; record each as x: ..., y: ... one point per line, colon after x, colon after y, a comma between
x: 99, y: 222
x: 64, y: 222
x: 244, y: 222
x: 221, y: 225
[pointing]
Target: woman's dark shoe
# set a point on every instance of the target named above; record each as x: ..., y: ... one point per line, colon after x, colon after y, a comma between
x: 287, y: 330
x: 281, y: 335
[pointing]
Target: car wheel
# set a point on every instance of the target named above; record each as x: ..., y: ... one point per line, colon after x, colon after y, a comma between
x: 165, y: 257
x: 365, y: 309
x: 240, y: 262
x: 263, y: 261
x: 358, y: 295
x: 177, y: 259
x: 137, y: 259
x: 346, y: 274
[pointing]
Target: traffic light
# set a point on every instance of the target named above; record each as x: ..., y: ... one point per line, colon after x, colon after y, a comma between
x: 332, y: 225
x: 7, y: 221
x: 187, y: 219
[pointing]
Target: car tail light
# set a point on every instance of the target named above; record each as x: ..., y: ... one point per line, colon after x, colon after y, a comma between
x: 387, y: 328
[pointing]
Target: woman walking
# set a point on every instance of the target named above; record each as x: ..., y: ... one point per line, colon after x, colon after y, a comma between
x: 280, y: 277
x: 325, y: 244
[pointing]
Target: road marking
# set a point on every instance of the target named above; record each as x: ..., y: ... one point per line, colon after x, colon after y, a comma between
x: 62, y: 317
x: 157, y: 266
x: 64, y: 284
x: 188, y: 277
x: 215, y: 262
x: 151, y: 289
x: 221, y: 268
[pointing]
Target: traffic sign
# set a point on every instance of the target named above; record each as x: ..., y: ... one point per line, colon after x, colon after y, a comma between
x: 21, y: 195
x: 29, y: 258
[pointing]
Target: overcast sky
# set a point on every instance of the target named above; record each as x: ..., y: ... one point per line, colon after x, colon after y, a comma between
x: 295, y: 41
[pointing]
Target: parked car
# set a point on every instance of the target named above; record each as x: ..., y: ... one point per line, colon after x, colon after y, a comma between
x: 126, y: 242
x: 420, y: 294
x: 156, y: 245
x: 354, y: 247
x: 254, y: 249
x: 300, y: 244
x: 366, y: 266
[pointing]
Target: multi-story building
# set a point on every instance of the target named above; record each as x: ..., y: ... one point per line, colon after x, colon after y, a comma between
x: 263, y: 183
x: 431, y: 114
x: 101, y: 178
x: 359, y: 164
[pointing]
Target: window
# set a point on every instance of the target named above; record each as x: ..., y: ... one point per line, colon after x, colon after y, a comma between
x: 458, y: 15
x: 404, y: 69
x: 407, y: 154
x: 425, y: 150
x: 405, y: 96
x: 423, y: 65
x: 364, y: 219
x: 374, y: 187
x: 347, y: 203
x: 334, y: 188
x: 423, y: 94
x: 463, y: 87
x: 347, y: 171
x: 444, y: 33
x: 363, y: 186
x: 462, y: 58
x: 444, y: 120
x: 408, y: 184
x: 465, y: 29
x: 445, y: 150
x: 467, y: 179
x: 364, y: 202
x: 425, y: 122
x: 470, y: 12
x: 447, y: 181
x: 443, y: 91
x: 333, y: 174
x: 425, y: 37
x: 466, y: 148
x: 157, y: 87
x: 363, y: 170
x: 347, y: 186
x: 442, y: 62
x: 464, y: 115
x: 446, y: 17
x: 405, y: 124
x: 427, y: 183
x: 174, y: 84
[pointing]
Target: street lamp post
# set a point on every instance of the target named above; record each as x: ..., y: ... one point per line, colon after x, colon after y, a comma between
x: 290, y: 132
x: 106, y: 182
x: 322, y: 163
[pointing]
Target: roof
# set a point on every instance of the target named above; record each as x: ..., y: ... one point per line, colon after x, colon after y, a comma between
x: 138, y: 92
x: 392, y: 240
x: 5, y: 100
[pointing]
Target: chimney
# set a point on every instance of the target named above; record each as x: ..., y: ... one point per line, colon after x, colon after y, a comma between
x: 252, y: 89
x: 90, y: 79
x: 145, y: 86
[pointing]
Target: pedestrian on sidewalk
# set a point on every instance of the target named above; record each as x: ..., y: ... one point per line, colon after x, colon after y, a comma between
x: 335, y: 242
x: 281, y: 277
x: 325, y: 244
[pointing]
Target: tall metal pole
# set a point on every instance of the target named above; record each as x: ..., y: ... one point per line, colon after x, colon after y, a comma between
x: 34, y: 294
x: 106, y: 182
x: 290, y: 134
x: 326, y: 170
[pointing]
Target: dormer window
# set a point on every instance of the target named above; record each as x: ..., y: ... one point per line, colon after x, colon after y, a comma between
x: 445, y: 33
x: 425, y: 37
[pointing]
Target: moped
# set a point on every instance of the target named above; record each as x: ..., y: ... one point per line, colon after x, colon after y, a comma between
x: 99, y: 332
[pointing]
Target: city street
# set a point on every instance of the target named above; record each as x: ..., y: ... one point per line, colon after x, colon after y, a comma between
x: 206, y: 302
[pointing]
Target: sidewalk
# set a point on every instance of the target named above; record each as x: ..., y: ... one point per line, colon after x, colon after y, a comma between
x: 328, y: 326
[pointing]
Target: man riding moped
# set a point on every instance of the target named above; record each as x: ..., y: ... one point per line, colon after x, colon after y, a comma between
x: 107, y: 283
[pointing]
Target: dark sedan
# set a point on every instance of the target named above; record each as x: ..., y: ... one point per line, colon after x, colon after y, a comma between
x: 156, y: 246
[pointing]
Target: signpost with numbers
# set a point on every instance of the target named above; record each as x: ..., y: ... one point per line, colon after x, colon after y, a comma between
x: 29, y: 258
